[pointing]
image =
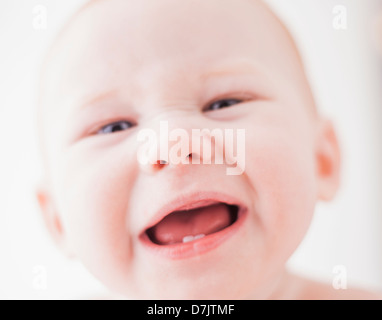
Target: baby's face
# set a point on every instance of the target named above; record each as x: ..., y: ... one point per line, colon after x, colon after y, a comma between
x: 124, y: 66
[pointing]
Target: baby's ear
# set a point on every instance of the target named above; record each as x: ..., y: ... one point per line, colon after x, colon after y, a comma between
x: 328, y: 160
x: 51, y: 217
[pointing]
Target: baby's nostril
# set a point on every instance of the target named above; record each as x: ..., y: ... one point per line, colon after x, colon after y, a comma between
x: 161, y: 163
x: 193, y: 158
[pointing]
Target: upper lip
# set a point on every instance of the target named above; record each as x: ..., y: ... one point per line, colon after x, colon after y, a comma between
x: 192, y: 201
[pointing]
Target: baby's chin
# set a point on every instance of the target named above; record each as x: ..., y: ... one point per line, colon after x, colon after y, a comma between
x: 207, y: 287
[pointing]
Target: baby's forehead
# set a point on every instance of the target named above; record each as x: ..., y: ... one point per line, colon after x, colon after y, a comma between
x: 183, y: 36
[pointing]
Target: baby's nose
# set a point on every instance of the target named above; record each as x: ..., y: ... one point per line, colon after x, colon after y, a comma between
x: 175, y: 144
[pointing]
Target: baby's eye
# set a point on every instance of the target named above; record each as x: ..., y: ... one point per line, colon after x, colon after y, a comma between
x: 224, y: 103
x: 115, y: 127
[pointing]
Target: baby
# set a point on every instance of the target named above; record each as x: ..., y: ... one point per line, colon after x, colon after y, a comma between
x: 150, y: 227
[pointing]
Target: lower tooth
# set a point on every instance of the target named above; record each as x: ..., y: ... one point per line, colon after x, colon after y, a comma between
x: 192, y: 238
x: 199, y: 236
x: 188, y: 239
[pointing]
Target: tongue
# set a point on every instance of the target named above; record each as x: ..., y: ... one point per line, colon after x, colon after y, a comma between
x: 184, y: 226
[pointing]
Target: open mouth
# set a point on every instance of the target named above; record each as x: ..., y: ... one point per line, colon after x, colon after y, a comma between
x: 185, y: 226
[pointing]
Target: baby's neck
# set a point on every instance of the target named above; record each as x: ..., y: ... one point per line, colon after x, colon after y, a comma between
x: 283, y: 286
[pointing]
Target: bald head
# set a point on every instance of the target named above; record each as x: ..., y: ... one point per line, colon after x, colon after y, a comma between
x: 145, y: 48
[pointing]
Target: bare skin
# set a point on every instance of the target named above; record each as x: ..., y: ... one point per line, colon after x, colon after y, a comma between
x: 140, y: 62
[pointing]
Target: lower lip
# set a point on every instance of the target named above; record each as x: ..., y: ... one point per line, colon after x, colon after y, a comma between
x: 196, y: 247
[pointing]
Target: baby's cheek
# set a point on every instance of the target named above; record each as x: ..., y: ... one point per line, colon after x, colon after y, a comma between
x: 282, y: 175
x: 95, y: 188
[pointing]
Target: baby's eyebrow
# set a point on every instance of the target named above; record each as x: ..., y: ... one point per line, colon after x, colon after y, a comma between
x: 93, y: 99
x: 241, y: 66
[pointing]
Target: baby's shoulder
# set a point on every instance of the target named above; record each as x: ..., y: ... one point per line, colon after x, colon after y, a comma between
x: 314, y: 290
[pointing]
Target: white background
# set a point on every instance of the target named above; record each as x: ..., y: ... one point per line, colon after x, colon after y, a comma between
x: 346, y: 75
